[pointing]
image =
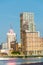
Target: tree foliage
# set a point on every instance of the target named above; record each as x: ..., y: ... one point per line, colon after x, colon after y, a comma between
x: 15, y: 52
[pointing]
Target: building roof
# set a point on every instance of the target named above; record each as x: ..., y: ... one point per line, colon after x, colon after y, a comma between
x: 11, y: 32
x: 30, y: 32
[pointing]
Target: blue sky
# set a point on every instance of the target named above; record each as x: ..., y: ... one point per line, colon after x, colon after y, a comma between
x: 10, y: 14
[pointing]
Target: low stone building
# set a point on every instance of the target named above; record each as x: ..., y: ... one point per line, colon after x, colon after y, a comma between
x: 14, y: 46
x: 32, y: 43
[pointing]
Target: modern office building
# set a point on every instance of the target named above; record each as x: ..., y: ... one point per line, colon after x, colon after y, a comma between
x: 26, y: 23
x: 11, y: 36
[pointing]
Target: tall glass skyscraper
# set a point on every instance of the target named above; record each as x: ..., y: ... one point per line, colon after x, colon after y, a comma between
x: 27, y: 22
